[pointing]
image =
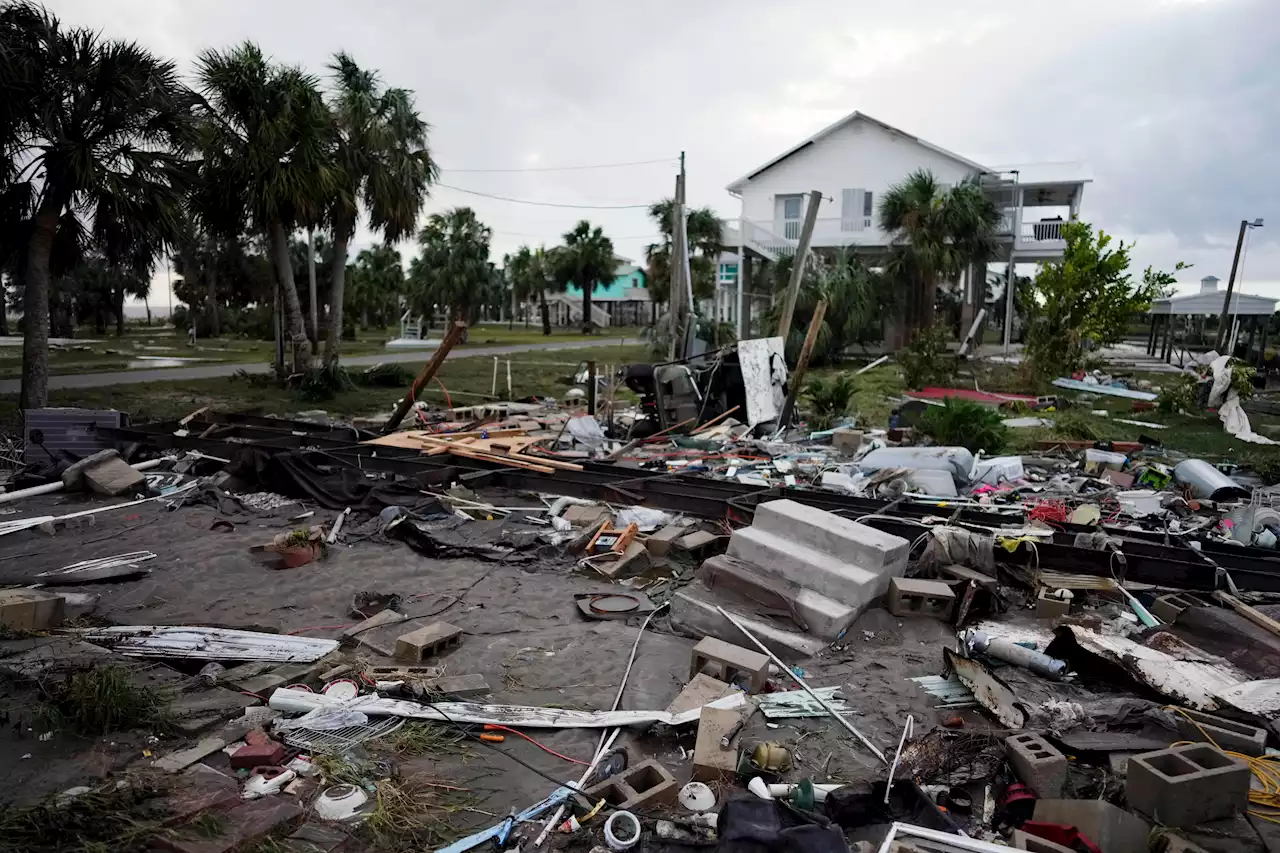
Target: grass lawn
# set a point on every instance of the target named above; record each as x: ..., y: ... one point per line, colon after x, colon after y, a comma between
x: 1199, y: 436
x: 467, y: 380
x: 141, y: 344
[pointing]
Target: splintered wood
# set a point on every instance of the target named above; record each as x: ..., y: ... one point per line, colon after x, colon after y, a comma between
x: 506, y: 446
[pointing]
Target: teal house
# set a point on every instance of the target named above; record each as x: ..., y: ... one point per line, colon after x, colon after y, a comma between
x: 622, y: 302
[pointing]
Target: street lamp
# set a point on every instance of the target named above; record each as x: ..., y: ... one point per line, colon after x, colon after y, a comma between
x: 1225, y: 322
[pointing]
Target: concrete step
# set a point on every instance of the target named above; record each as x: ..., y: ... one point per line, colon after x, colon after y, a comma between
x: 693, y: 613
x: 740, y: 581
x: 833, y: 534
x: 781, y: 556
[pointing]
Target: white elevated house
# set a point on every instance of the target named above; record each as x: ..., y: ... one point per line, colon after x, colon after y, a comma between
x: 853, y: 163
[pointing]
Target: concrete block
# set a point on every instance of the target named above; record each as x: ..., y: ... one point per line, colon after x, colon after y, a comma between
x: 1187, y: 785
x: 834, y: 534
x: 459, y: 686
x: 30, y: 609
x: 698, y: 540
x: 1110, y: 827
x: 701, y: 690
x: 632, y: 562
x: 694, y: 614
x: 586, y: 516
x: 243, y: 827
x: 1036, y: 844
x: 1049, y: 606
x: 817, y: 614
x: 1167, y: 607
x: 662, y: 541
x: 731, y: 664
x: 847, y: 441
x: 915, y: 597
x: 1037, y: 763
x: 426, y: 642
x: 647, y: 783
x: 710, y: 762
x: 1227, y: 734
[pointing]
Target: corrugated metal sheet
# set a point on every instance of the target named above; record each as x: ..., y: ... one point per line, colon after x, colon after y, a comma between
x: 797, y: 703
x: 180, y: 641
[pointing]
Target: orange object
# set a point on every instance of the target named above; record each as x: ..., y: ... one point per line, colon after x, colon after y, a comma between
x: 493, y: 738
x: 613, y: 539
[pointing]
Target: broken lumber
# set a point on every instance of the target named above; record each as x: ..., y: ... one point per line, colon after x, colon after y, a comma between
x: 432, y: 367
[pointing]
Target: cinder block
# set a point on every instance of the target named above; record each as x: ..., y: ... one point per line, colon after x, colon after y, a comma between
x: 646, y: 783
x: 731, y: 664
x: 701, y: 690
x: 586, y: 516
x: 1187, y: 785
x: 915, y: 597
x: 1227, y: 734
x: 1037, y: 763
x: 114, y: 477
x: 428, y: 641
x: 847, y: 441
x: 633, y: 561
x: 1036, y: 844
x: 1049, y: 606
x: 710, y: 762
x: 30, y: 609
x: 1167, y: 607
x: 698, y: 540
x: 662, y: 541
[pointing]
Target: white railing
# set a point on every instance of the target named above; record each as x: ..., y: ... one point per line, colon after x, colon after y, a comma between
x: 1041, y: 231
x: 410, y: 329
x: 760, y: 236
x: 791, y: 229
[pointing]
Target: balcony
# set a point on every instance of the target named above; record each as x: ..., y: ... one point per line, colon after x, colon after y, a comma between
x: 1041, y: 240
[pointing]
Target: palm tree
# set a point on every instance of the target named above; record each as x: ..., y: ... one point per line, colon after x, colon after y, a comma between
x: 453, y: 267
x: 586, y: 259
x: 383, y: 163
x: 377, y: 281
x: 268, y: 151
x: 92, y: 135
x: 529, y: 272
x: 704, y: 232
x: 936, y: 233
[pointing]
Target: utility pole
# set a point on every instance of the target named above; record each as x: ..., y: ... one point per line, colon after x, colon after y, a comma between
x: 676, y: 270
x: 797, y: 264
x: 1224, y: 321
x: 311, y: 275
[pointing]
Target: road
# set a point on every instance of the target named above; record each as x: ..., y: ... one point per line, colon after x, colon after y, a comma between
x: 213, y: 371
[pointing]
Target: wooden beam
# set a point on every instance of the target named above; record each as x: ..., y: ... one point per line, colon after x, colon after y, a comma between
x: 1254, y: 615
x: 797, y: 377
x: 432, y: 367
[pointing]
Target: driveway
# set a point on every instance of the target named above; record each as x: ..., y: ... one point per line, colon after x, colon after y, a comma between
x: 213, y: 371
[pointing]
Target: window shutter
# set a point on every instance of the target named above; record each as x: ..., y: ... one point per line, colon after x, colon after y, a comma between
x: 868, y: 207
x: 850, y: 209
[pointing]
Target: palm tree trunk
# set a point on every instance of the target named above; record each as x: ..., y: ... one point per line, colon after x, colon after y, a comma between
x: 35, y: 342
x: 146, y: 303
x: 4, y: 314
x: 337, y: 291
x: 119, y: 306
x: 928, y: 300
x: 292, y: 305
x: 211, y: 298
x: 586, y: 307
x: 545, y: 311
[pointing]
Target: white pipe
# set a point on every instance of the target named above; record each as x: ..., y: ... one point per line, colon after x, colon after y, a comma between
x: 798, y: 680
x: 780, y: 792
x: 57, y: 486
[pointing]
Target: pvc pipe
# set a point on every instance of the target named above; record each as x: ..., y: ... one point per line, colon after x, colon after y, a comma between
x: 781, y: 792
x: 620, y: 844
x: 798, y: 680
x: 57, y: 486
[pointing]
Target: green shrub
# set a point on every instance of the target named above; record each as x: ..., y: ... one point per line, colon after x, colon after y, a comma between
x: 926, y: 360
x: 830, y: 398
x: 964, y: 423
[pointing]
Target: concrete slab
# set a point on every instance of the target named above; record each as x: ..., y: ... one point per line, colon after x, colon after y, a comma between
x: 785, y: 557
x: 829, y: 533
x: 822, y: 616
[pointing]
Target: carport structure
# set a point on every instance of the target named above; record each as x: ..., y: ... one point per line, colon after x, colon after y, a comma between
x: 1251, y: 312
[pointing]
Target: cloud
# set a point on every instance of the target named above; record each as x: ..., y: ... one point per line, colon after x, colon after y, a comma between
x: 1175, y: 105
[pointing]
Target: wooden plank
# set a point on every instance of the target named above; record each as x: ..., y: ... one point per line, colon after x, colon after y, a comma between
x: 715, y: 420
x: 428, y: 371
x: 1254, y: 615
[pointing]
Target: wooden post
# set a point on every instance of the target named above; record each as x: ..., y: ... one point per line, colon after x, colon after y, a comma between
x: 802, y: 364
x: 591, y: 388
x: 433, y: 366
x: 797, y: 264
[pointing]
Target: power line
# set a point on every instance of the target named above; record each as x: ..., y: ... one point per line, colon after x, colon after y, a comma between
x: 548, y: 203
x: 668, y: 161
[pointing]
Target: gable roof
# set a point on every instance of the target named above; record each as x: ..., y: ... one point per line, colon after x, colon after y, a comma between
x: 737, y: 185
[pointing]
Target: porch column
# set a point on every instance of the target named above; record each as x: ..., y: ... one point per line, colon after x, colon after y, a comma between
x: 1009, y: 286
x: 1253, y: 328
x: 1262, y: 347
x: 744, y: 296
x: 742, y: 274
x: 966, y: 301
x: 1151, y: 336
x: 1167, y: 353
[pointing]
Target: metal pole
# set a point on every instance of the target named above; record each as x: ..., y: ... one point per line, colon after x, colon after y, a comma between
x: 1223, y: 321
x: 591, y: 388
x: 797, y: 263
x: 798, y: 680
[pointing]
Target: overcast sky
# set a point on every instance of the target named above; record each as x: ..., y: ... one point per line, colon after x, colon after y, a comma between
x: 1173, y: 104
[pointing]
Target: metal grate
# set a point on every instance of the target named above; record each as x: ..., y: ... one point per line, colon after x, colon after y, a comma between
x: 341, y: 740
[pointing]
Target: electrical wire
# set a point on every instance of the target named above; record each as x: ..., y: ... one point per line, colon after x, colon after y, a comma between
x: 1266, y: 769
x: 494, y: 727
x: 668, y: 160
x: 547, y: 203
